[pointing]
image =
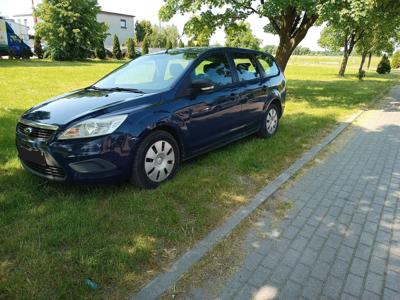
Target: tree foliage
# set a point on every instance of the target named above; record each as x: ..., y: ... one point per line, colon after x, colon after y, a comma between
x: 181, y: 44
x: 116, y: 48
x: 131, y: 51
x: 290, y: 19
x: 384, y: 65
x: 100, y: 51
x: 162, y: 36
x: 396, y: 60
x: 168, y: 45
x: 241, y: 35
x: 142, y: 28
x: 367, y: 23
x: 145, y: 45
x: 70, y: 27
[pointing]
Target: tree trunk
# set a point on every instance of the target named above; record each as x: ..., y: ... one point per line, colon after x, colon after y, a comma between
x: 283, y: 53
x: 344, y: 63
x: 369, y: 60
x: 349, y: 44
x: 291, y: 31
x: 363, y: 57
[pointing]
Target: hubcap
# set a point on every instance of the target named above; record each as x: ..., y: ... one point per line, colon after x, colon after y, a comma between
x: 272, y: 121
x: 159, y: 161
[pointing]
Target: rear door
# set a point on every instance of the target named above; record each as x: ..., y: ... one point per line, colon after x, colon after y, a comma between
x: 250, y: 89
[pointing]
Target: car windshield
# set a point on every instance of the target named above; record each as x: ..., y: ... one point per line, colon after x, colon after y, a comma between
x: 149, y: 73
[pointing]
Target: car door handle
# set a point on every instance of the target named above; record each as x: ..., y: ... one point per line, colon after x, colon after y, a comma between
x: 233, y: 96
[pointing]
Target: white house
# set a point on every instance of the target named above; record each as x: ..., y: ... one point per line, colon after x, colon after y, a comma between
x: 123, y: 25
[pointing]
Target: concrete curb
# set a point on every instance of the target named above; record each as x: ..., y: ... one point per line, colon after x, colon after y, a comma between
x: 156, y: 287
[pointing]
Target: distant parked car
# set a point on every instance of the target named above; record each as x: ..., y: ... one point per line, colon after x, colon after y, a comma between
x: 11, y: 44
x: 144, y: 118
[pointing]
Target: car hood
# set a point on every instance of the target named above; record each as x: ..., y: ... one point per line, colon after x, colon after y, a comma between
x: 69, y: 107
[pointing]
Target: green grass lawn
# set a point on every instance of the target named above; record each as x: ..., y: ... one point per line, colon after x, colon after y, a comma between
x: 53, y: 236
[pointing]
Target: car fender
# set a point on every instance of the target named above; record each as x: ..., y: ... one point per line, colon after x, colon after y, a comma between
x: 273, y: 95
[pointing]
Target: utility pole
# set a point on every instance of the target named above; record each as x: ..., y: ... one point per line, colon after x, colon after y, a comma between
x: 33, y: 10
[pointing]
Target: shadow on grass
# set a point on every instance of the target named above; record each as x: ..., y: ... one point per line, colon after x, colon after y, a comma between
x: 56, y: 235
x: 336, y: 93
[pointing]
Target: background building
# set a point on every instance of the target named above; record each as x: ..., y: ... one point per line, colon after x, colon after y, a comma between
x: 123, y: 25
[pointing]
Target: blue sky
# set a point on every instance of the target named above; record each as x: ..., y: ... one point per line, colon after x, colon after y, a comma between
x: 148, y: 9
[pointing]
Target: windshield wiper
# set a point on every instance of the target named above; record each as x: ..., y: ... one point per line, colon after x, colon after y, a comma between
x: 120, y: 89
x: 117, y: 89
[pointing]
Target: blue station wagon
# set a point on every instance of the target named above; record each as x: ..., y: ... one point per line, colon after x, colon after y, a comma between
x: 143, y: 119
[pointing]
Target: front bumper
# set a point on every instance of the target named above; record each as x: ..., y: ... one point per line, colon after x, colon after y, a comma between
x: 96, y: 159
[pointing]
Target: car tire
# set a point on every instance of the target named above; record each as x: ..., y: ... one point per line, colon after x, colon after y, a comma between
x: 156, y: 160
x: 270, y: 122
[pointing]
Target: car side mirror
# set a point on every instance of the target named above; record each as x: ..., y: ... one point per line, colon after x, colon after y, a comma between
x: 201, y: 85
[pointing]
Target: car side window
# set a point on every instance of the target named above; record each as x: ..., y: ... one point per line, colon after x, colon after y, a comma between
x: 214, y: 68
x: 245, y: 67
x: 269, y: 65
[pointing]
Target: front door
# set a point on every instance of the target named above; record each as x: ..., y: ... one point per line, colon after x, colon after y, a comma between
x: 214, y: 115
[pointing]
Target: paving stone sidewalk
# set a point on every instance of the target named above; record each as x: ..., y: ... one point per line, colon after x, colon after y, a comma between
x: 341, y: 240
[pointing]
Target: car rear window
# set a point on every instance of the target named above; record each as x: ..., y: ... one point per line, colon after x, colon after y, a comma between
x: 269, y: 65
x: 245, y: 67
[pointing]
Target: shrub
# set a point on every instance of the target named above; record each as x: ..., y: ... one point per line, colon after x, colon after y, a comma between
x: 37, y: 47
x: 116, y: 48
x: 131, y: 48
x: 181, y: 44
x: 145, y: 45
x: 361, y: 74
x: 384, y: 65
x: 100, y: 52
x: 396, y: 60
x: 26, y: 53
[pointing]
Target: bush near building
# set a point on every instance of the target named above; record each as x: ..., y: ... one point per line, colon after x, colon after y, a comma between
x: 116, y: 48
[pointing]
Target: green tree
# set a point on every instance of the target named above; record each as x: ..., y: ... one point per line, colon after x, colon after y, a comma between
x: 145, y: 45
x: 270, y: 49
x: 131, y: 52
x: 70, y: 27
x: 242, y: 36
x: 37, y: 47
x: 169, y: 45
x: 142, y: 29
x: 384, y: 65
x: 355, y: 20
x: 100, y: 51
x: 116, y: 48
x: 396, y: 60
x: 375, y: 41
x: 161, y: 35
x: 290, y: 19
x: 181, y: 44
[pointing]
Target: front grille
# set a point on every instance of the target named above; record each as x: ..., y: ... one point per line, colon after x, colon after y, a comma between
x: 46, y: 170
x: 35, y: 132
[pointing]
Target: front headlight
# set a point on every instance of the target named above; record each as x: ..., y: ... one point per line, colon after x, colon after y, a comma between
x: 93, y: 127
